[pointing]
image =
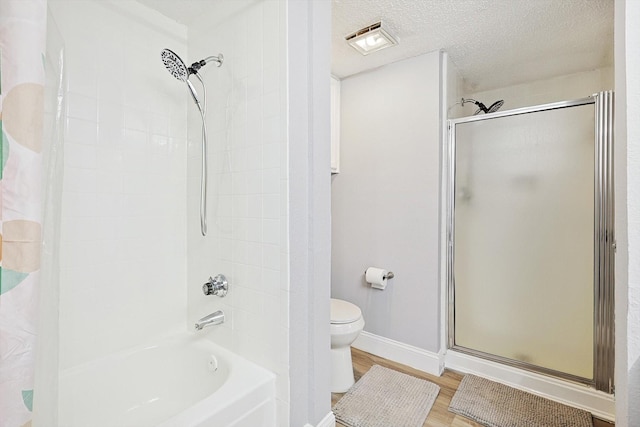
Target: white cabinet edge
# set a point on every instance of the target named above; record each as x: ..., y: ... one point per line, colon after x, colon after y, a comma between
x: 335, y: 125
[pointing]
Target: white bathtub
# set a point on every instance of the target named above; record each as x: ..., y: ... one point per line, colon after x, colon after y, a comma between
x: 183, y: 381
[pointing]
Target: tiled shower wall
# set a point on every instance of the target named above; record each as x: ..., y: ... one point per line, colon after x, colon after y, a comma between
x: 123, y: 246
x: 247, y: 239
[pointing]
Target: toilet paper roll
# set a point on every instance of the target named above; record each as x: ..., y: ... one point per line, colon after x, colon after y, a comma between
x: 377, y: 277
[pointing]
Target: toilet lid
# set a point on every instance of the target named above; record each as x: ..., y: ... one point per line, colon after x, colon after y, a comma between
x: 344, y: 312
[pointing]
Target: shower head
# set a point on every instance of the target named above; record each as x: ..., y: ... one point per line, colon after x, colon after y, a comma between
x: 495, y: 106
x: 174, y: 65
x: 483, y: 108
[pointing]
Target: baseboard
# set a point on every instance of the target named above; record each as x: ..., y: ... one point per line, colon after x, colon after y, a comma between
x: 396, y: 351
x: 328, y: 421
x: 600, y: 404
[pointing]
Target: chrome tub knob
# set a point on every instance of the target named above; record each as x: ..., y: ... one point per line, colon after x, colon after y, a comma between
x: 216, y: 286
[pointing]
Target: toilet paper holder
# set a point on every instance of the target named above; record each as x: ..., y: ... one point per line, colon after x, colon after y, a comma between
x: 389, y: 275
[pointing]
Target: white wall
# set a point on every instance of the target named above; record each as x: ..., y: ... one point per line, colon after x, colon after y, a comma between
x: 562, y: 88
x: 385, y: 201
x: 248, y: 205
x: 627, y: 157
x: 310, y: 210
x: 123, y: 245
x: 632, y: 56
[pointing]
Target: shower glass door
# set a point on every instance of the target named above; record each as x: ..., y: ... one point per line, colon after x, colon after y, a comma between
x: 522, y: 235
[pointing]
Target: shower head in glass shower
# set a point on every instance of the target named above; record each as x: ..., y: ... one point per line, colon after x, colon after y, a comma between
x: 483, y: 108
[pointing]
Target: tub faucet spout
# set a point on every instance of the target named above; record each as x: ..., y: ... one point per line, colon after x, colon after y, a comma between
x: 215, y: 318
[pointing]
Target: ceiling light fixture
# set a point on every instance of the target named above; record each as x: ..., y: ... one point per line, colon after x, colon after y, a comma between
x: 371, y: 39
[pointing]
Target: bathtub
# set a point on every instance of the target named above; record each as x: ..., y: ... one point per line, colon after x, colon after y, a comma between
x: 183, y: 381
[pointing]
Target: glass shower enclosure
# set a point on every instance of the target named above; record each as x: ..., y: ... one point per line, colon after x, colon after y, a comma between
x: 530, y: 243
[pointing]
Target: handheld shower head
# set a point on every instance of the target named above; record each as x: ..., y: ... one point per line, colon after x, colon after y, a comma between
x: 180, y: 71
x: 174, y: 65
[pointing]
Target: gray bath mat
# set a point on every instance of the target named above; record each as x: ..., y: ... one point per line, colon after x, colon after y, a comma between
x: 384, y: 397
x: 497, y: 405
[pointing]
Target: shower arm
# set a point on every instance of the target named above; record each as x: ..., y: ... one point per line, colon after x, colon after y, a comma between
x: 217, y: 59
x: 477, y: 103
x: 193, y: 69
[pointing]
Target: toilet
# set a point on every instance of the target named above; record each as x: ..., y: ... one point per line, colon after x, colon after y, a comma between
x: 346, y: 325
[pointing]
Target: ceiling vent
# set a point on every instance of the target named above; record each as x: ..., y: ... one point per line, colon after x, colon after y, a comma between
x: 371, y: 39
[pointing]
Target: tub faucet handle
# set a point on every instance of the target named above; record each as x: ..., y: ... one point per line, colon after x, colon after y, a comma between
x: 216, y: 286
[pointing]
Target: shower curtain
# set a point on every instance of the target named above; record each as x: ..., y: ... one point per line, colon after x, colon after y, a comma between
x: 22, y: 76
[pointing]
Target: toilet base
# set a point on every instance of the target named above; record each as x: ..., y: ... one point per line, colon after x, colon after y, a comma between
x: 341, y: 370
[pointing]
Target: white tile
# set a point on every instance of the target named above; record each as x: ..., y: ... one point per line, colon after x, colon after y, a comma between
x: 254, y: 38
x: 254, y: 254
x: 223, y: 205
x: 271, y: 206
x: 254, y: 206
x: 159, y: 124
x: 109, y: 183
x: 80, y: 156
x: 254, y: 230
x: 284, y: 311
x: 240, y: 205
x: 271, y: 231
x: 238, y: 273
x: 239, y: 252
x: 254, y: 158
x: 271, y: 257
x: 136, y: 119
x: 254, y: 182
x: 109, y: 159
x: 239, y: 160
x: 271, y: 130
x: 271, y: 180
x: 82, y: 107
x: 271, y: 79
x: 254, y: 87
x: 81, y: 131
x: 81, y: 77
x: 109, y: 206
x: 239, y: 183
x: 254, y: 277
x: 248, y: 300
x: 239, y: 138
x: 78, y: 180
x: 254, y: 115
x: 270, y: 156
x: 271, y: 105
x: 271, y: 281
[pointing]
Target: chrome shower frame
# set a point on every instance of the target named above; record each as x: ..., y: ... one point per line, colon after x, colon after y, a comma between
x: 604, y: 244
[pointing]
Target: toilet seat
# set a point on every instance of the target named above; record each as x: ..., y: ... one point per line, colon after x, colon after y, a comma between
x: 344, y: 312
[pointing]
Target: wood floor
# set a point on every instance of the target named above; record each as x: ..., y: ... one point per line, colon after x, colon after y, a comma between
x: 448, y: 382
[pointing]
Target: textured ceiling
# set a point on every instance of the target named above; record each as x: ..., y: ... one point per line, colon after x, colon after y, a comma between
x: 493, y: 43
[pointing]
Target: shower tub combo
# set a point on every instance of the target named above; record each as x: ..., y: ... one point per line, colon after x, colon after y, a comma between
x: 182, y: 381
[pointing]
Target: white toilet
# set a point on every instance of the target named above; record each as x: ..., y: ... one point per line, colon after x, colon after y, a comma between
x: 346, y: 325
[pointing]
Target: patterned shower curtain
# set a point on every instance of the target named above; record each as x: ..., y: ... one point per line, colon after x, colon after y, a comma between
x: 22, y: 47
